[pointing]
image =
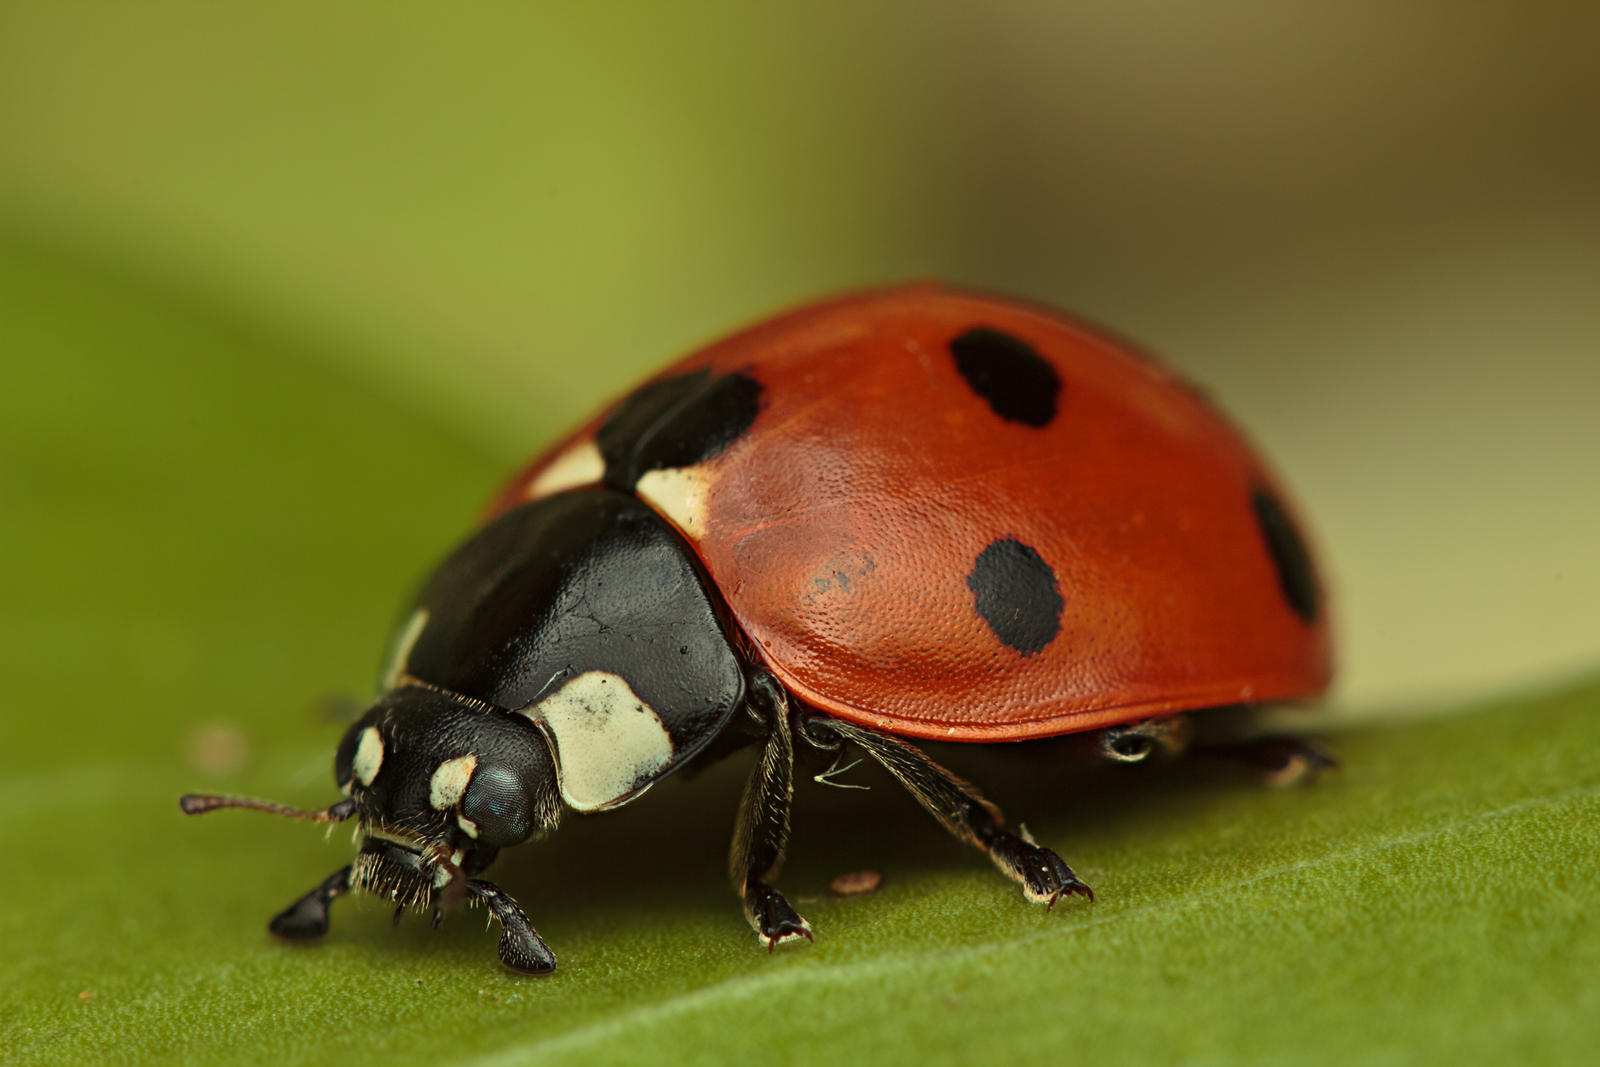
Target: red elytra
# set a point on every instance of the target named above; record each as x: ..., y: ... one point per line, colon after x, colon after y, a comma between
x: 843, y: 527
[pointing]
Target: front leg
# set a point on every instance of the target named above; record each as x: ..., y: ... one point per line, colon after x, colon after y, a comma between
x: 521, y: 948
x: 762, y: 831
x: 307, y: 918
x: 964, y: 812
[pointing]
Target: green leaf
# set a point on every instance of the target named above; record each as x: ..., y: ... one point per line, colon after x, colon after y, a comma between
x: 206, y: 530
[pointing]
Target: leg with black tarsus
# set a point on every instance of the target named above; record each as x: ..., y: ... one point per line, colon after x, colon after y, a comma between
x: 521, y: 948
x: 963, y: 811
x: 1249, y: 738
x: 1276, y: 761
x: 762, y: 831
x: 307, y: 918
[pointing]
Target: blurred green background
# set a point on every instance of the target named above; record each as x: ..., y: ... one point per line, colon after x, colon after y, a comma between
x: 270, y: 275
x: 1373, y: 230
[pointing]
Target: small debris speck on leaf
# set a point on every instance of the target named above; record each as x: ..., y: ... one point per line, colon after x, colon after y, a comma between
x: 856, y: 884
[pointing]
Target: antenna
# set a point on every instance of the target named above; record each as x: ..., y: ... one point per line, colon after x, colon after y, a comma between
x: 200, y: 803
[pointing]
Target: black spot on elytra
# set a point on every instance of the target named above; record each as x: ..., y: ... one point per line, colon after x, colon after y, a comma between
x: 1015, y: 381
x: 1017, y: 595
x: 1289, y: 555
x: 676, y: 422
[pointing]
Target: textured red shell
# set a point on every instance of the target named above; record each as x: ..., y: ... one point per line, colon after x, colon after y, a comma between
x: 849, y: 526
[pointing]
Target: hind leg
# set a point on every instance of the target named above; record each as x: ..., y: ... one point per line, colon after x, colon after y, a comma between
x: 1277, y: 761
x: 1230, y: 735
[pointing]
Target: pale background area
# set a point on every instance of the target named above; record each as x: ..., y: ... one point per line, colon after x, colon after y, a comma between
x: 1371, y: 230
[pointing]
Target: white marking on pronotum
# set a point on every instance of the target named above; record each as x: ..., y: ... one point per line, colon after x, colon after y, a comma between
x: 400, y: 652
x: 679, y: 493
x: 369, y: 756
x: 581, y: 464
x: 468, y: 827
x: 606, y: 739
x: 450, y: 780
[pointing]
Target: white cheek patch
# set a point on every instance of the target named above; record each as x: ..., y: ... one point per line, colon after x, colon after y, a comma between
x: 369, y: 756
x: 679, y: 493
x: 450, y: 781
x: 400, y: 652
x: 468, y: 827
x: 606, y: 740
x: 579, y: 465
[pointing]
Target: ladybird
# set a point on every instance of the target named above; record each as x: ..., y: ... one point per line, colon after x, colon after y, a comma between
x: 911, y: 513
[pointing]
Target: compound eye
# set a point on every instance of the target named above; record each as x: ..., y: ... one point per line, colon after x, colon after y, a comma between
x: 497, y: 806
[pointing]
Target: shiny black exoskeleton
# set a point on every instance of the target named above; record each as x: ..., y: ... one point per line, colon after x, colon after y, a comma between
x: 569, y: 655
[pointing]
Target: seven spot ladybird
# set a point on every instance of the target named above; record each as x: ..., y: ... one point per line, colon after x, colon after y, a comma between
x: 902, y: 514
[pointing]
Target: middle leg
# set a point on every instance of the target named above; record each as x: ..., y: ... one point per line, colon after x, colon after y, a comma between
x: 963, y: 811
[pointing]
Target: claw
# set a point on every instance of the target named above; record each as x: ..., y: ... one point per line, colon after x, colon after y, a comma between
x: 776, y: 939
x: 1044, y: 875
x: 1076, y: 888
x: 771, y: 917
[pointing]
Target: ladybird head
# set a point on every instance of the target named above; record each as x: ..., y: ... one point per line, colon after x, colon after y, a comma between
x: 438, y: 784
